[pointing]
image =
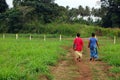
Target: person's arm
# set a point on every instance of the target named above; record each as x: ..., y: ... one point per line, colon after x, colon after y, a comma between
x: 74, y: 46
x: 97, y: 44
x: 89, y: 44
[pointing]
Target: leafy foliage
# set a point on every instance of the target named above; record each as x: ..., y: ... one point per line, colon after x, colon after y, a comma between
x: 3, y: 6
x: 111, y: 17
x: 32, y: 16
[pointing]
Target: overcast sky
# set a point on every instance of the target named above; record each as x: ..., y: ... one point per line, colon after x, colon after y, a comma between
x: 72, y: 3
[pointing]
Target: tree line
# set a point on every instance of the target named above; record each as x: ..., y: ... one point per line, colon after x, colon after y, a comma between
x: 28, y: 16
x: 111, y: 11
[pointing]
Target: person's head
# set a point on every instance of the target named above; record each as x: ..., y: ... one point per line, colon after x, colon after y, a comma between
x: 93, y: 34
x: 78, y: 34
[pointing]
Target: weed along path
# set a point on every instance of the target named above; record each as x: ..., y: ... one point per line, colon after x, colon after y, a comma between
x: 70, y: 69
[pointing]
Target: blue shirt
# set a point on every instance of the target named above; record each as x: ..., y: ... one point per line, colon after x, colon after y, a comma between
x: 93, y: 42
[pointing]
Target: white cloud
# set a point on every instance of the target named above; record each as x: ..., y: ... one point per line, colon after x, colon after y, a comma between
x: 9, y: 2
x: 71, y: 3
x: 76, y: 3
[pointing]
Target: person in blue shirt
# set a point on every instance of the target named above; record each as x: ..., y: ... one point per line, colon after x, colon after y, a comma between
x: 93, y: 44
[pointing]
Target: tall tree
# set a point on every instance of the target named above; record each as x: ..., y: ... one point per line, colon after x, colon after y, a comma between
x: 87, y: 11
x: 17, y: 3
x: 28, y: 2
x: 112, y: 17
x: 97, y: 12
x: 3, y: 6
x: 44, y: 10
x: 81, y: 10
x: 73, y: 14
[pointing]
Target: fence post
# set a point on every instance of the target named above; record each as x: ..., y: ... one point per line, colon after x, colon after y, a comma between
x: 16, y: 36
x: 44, y: 37
x: 114, y: 39
x: 60, y: 37
x: 3, y: 36
x: 30, y: 37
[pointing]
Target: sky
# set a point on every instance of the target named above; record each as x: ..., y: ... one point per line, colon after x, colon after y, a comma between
x: 72, y: 3
x: 76, y: 3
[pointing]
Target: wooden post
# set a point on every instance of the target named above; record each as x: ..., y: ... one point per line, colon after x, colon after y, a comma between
x: 3, y: 36
x: 44, y: 38
x: 30, y: 37
x: 114, y: 39
x: 16, y: 36
x: 60, y: 37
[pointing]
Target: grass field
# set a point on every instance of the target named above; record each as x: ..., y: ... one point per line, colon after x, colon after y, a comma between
x: 25, y: 59
x: 110, y: 53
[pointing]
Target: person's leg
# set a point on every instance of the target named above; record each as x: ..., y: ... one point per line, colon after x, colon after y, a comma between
x: 96, y: 54
x: 90, y: 58
x: 93, y: 59
x: 76, y: 55
x: 91, y: 55
x: 79, y: 55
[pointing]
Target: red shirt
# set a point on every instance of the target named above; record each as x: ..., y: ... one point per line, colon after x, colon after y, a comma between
x: 78, y: 42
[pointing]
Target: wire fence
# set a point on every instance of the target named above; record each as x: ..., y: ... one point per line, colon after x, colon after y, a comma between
x: 59, y: 37
x: 35, y: 36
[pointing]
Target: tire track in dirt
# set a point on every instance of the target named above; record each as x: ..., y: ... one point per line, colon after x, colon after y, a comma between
x: 66, y: 69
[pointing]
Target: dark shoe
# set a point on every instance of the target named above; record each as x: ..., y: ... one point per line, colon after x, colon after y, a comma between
x: 77, y: 58
x: 90, y: 59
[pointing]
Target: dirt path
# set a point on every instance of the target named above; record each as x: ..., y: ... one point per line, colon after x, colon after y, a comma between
x: 70, y: 69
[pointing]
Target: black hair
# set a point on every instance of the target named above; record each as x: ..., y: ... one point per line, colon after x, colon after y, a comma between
x: 78, y: 34
x: 93, y: 34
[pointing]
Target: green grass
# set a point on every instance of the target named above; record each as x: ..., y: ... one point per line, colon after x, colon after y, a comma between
x: 25, y: 59
x: 110, y: 53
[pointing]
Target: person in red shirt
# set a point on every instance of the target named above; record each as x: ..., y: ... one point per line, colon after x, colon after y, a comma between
x: 78, y: 47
